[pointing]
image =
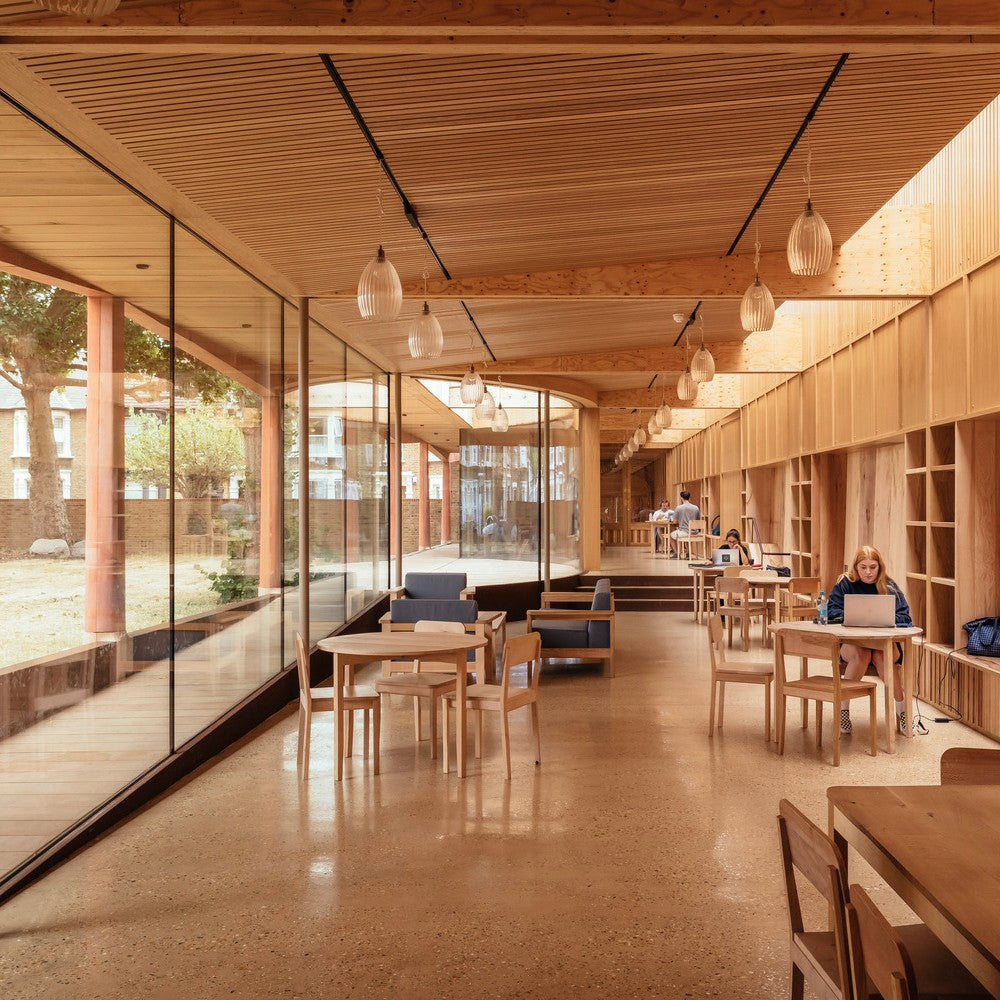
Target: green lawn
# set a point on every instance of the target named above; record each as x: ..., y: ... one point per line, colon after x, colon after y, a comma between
x: 41, y: 600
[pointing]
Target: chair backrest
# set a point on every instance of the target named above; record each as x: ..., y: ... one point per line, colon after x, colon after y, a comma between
x: 302, y: 662
x: 770, y: 573
x: 520, y: 649
x: 599, y: 633
x: 698, y: 525
x: 733, y: 589
x: 879, y: 951
x: 970, y: 766
x: 435, y: 586
x: 716, y: 643
x: 806, y: 849
x: 406, y: 611
x: 454, y: 628
x: 800, y: 587
x: 732, y: 571
x: 811, y: 646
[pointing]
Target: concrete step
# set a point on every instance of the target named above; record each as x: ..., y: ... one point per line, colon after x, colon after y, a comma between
x: 635, y: 592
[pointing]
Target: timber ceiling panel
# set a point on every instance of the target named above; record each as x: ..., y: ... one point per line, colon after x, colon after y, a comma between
x: 514, y: 164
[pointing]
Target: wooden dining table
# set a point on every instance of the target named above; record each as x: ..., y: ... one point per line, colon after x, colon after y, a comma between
x: 350, y: 651
x: 884, y: 639
x: 936, y: 845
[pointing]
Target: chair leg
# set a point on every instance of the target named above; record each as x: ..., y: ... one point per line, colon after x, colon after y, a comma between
x: 537, y: 731
x: 746, y: 633
x: 819, y: 725
x: 364, y: 737
x: 417, y: 731
x: 873, y: 712
x: 432, y: 711
x: 303, y: 748
x: 837, y: 706
x: 711, y: 709
x: 722, y: 702
x: 767, y: 711
x: 504, y: 719
x: 349, y: 742
x: 779, y: 722
x: 798, y: 989
x: 377, y: 733
x: 478, y: 719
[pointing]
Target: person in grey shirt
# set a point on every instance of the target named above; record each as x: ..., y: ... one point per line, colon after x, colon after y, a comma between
x: 685, y: 513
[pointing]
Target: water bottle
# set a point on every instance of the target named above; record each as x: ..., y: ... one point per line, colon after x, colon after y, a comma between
x: 821, y: 609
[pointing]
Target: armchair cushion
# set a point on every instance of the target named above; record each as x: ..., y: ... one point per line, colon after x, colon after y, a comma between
x: 599, y: 633
x: 407, y: 610
x: 562, y: 635
x: 434, y: 587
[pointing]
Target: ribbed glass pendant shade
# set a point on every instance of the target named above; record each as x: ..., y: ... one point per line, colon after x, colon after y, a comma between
x: 472, y: 388
x: 380, y: 295
x: 687, y: 388
x: 703, y: 365
x: 664, y: 416
x: 757, y: 308
x: 500, y: 419
x: 426, y: 338
x: 653, y: 427
x: 486, y: 407
x: 810, y: 245
x: 640, y: 438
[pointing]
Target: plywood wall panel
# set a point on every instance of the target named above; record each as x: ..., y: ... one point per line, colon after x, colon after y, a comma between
x: 913, y: 366
x: 948, y: 353
x: 808, y: 421
x: 875, y: 509
x: 984, y: 338
x: 826, y: 412
x: 885, y: 378
x: 866, y: 387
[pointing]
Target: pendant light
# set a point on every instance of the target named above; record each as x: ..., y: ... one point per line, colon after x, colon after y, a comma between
x: 664, y: 416
x: 500, y: 419
x: 702, y: 364
x: 471, y: 388
x: 486, y: 408
x: 810, y: 245
x: 653, y: 427
x: 380, y: 294
x: 640, y: 437
x: 426, y: 337
x: 687, y: 388
x: 757, y: 307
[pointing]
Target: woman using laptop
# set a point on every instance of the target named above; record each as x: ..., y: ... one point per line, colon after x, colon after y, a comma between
x: 867, y: 575
x: 733, y: 541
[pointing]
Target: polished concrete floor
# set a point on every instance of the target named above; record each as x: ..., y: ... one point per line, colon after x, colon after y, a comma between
x: 640, y: 859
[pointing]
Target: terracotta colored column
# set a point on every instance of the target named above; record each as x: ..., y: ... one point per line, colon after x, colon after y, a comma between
x: 270, y: 492
x: 446, y: 499
x: 104, y: 594
x: 424, y: 504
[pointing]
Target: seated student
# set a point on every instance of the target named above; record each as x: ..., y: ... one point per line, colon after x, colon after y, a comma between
x: 663, y: 514
x: 867, y: 575
x: 684, y: 515
x: 733, y: 541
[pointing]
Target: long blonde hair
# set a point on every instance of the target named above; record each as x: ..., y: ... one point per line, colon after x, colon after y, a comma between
x: 869, y: 552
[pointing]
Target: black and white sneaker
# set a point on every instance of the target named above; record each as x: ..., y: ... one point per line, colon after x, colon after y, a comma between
x: 846, y: 726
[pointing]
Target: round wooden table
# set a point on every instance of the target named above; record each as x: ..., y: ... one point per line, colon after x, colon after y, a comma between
x: 367, y: 647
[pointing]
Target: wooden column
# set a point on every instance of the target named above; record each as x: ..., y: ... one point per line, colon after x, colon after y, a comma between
x: 446, y: 498
x: 424, y: 502
x: 590, y: 490
x: 271, y: 490
x: 303, y: 364
x: 104, y: 594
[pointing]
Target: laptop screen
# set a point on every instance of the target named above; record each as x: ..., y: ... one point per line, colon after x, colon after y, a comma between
x: 725, y: 557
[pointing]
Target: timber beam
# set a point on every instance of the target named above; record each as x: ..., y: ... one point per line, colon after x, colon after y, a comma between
x: 490, y: 27
x: 684, y: 420
x: 724, y: 392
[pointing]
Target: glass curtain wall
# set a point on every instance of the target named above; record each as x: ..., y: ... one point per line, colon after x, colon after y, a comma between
x: 149, y: 485
x: 564, y: 487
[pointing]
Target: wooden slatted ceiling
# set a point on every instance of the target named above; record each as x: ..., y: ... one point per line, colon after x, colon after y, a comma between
x: 517, y: 164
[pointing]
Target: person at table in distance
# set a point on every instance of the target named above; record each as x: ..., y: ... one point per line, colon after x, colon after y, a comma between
x: 664, y: 514
x: 867, y: 575
x: 733, y: 541
x: 686, y: 513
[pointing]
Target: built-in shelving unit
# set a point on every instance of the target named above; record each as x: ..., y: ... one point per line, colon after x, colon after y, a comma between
x: 802, y: 515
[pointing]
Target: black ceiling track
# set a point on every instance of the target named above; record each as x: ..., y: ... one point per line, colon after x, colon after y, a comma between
x: 409, y: 212
x: 810, y: 114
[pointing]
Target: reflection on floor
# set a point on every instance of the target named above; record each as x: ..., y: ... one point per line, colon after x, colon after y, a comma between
x: 639, y: 859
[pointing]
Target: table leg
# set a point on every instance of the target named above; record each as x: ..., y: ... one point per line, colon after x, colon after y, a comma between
x: 908, y: 670
x: 338, y: 715
x: 461, y: 677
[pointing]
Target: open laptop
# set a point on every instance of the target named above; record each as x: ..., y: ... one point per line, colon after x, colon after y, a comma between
x: 870, y: 610
x: 725, y: 557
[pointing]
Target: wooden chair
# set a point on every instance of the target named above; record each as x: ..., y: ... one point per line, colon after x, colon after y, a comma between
x: 504, y: 698
x: 734, y: 603
x: 831, y: 960
x: 321, y: 700
x: 734, y: 673
x: 799, y: 599
x: 692, y: 541
x: 819, y: 957
x: 819, y: 688
x: 970, y: 766
x: 428, y: 679
x: 881, y: 957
